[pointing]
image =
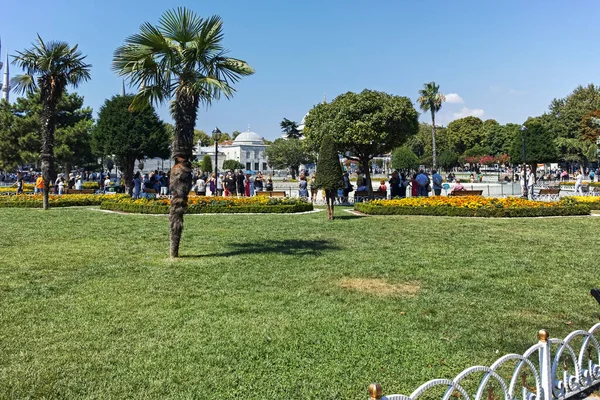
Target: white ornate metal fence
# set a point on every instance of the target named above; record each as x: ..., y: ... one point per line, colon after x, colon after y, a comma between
x: 551, y: 369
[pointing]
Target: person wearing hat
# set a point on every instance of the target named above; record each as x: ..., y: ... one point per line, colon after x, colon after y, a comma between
x: 78, y: 183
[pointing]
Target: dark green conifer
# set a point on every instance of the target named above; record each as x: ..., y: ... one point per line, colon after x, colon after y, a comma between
x: 329, y: 173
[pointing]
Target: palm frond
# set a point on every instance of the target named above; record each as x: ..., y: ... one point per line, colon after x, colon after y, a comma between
x: 23, y: 84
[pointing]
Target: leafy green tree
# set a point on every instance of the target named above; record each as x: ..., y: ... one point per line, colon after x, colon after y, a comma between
x: 465, y: 133
x: 203, y: 138
x: 288, y: 153
x: 404, y: 159
x: 329, y: 172
x: 232, y: 165
x: 72, y: 136
x: 183, y: 59
x: 290, y: 129
x: 50, y: 68
x: 430, y: 99
x: 206, y: 164
x: 363, y: 125
x: 129, y: 134
x: 473, y: 154
x: 235, y: 134
x: 499, y: 137
x: 9, y: 138
x: 539, y: 144
x: 447, y: 159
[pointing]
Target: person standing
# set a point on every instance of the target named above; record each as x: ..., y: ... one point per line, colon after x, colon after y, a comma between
x: 530, y: 184
x: 20, y: 183
x: 201, y: 186
x: 220, y: 185
x: 395, y: 185
x: 61, y: 186
x: 212, y: 185
x: 137, y: 185
x: 423, y: 181
x: 578, y: 182
x: 302, y: 187
x: 230, y: 184
x: 258, y: 182
x: 269, y: 185
x: 39, y: 184
x: 78, y: 183
x: 313, y: 188
x: 240, y: 182
x: 437, y: 183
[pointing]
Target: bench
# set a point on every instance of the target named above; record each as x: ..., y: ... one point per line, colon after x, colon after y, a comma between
x: 466, y: 193
x: 362, y: 195
x: 549, y: 193
x: 273, y: 193
x: 80, y: 191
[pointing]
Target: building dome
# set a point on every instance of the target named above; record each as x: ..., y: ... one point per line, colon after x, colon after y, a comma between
x: 249, y: 138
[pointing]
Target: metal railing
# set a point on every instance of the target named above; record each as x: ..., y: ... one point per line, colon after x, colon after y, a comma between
x: 558, y: 368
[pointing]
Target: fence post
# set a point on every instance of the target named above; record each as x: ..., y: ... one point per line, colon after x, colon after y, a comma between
x: 545, y: 364
x: 375, y: 391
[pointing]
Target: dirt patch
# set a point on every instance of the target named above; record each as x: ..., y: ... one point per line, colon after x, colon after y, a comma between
x: 379, y: 287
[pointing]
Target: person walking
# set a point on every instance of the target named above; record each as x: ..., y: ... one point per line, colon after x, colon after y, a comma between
x: 313, y: 188
x: 437, y: 183
x: 302, y: 187
x: 20, y: 183
x: 578, y: 183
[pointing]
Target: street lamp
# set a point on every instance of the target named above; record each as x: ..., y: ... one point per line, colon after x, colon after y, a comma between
x: 523, y: 128
x: 216, y: 133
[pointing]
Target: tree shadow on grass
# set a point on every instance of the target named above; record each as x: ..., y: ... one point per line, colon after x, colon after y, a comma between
x: 295, y: 247
x: 349, y: 216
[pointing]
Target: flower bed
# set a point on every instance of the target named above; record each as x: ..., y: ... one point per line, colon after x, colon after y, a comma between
x: 28, y: 187
x: 572, y: 183
x: 593, y: 202
x: 201, y: 205
x: 65, y: 200
x: 471, y: 206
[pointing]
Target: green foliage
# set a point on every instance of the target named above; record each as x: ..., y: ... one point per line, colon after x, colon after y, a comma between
x: 365, y: 124
x: 203, y: 138
x: 288, y: 153
x: 65, y: 200
x: 232, y: 165
x: 447, y: 159
x: 465, y: 133
x: 206, y: 164
x: 404, y: 159
x: 539, y: 144
x: 290, y: 129
x: 235, y: 134
x: 329, y: 169
x: 499, y: 212
x: 277, y: 206
x: 21, y: 133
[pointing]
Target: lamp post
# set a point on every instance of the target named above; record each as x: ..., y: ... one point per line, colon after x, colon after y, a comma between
x: 216, y: 133
x: 523, y: 128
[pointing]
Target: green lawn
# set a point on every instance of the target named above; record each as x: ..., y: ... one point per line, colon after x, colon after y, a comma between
x: 90, y: 307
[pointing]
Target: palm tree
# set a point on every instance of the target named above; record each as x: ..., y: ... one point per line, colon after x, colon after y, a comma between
x: 290, y: 129
x: 182, y: 59
x: 49, y: 67
x: 431, y: 100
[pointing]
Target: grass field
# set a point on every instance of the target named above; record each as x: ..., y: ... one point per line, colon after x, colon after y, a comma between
x: 277, y: 306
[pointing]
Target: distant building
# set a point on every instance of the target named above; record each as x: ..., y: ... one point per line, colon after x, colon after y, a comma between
x: 248, y: 148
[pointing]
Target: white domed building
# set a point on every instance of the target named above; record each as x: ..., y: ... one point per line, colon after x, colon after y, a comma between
x: 248, y: 148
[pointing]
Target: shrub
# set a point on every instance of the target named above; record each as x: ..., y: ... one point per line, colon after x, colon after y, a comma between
x: 593, y: 202
x: 65, y: 200
x: 471, y: 206
x: 201, y: 205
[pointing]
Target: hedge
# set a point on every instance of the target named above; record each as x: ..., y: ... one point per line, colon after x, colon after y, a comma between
x: 576, y: 209
x: 65, y: 200
x: 593, y: 202
x: 161, y: 208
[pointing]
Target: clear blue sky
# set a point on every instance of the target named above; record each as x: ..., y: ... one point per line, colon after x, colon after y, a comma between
x: 505, y: 59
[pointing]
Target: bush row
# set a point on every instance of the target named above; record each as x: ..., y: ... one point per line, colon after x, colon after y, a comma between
x: 65, y: 200
x: 562, y: 210
x: 158, y: 208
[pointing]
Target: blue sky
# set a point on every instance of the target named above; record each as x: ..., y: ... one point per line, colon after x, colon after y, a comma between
x: 504, y: 60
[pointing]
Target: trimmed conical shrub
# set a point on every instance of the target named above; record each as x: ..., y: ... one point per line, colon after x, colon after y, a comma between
x: 329, y: 170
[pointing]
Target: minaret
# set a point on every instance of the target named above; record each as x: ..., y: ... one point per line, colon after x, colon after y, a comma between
x: 5, y: 81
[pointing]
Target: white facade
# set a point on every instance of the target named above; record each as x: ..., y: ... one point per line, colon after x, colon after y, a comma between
x: 248, y: 148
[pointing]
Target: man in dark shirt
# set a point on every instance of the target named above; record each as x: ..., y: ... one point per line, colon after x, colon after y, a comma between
x: 240, y: 182
x: 230, y: 183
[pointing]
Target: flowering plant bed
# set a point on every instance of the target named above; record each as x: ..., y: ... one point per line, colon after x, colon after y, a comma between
x: 64, y: 200
x: 471, y: 206
x: 201, y: 205
x: 593, y: 202
x: 28, y: 187
x: 572, y: 183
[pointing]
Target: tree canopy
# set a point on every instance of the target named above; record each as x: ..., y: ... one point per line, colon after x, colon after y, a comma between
x: 539, y: 144
x: 288, y: 153
x: 290, y: 129
x: 363, y: 125
x: 403, y: 158
x: 232, y: 165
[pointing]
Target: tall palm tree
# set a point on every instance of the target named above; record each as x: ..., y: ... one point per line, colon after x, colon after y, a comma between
x: 49, y: 67
x: 182, y: 58
x: 431, y: 100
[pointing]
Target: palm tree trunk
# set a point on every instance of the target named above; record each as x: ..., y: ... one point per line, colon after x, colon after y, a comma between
x: 47, y: 153
x: 184, y: 112
x: 433, y: 145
